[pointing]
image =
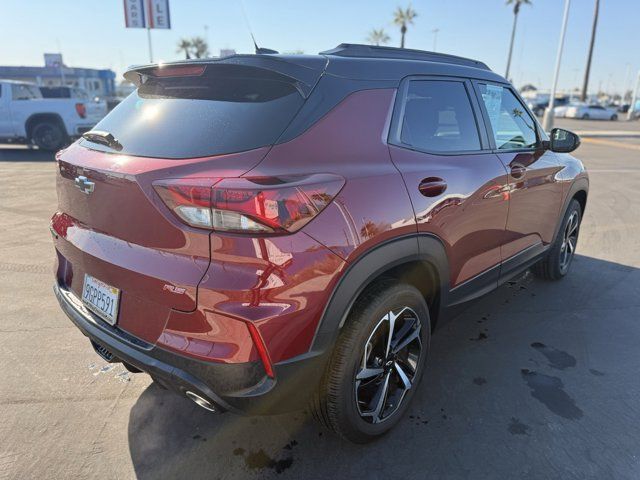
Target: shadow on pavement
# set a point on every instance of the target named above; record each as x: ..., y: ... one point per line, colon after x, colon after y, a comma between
x: 536, y: 380
x: 24, y: 154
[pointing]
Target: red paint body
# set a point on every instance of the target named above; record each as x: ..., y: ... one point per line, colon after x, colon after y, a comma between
x: 193, y: 291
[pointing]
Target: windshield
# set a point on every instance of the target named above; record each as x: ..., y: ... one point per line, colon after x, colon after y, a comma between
x: 224, y: 110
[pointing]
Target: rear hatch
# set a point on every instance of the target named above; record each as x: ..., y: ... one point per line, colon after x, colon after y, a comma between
x: 190, y: 121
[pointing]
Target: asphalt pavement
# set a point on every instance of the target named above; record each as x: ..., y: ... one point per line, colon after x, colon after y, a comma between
x: 536, y: 380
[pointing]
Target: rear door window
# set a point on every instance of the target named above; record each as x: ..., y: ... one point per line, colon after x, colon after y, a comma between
x: 513, y: 128
x: 226, y: 109
x: 23, y: 91
x: 438, y: 117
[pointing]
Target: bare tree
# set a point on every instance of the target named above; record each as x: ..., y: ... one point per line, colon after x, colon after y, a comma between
x: 516, y: 9
x: 403, y: 18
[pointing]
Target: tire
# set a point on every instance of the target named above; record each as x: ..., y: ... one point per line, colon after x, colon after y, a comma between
x: 48, y: 136
x: 585, y: 116
x: 342, y: 400
x: 555, y: 264
x: 614, y: 117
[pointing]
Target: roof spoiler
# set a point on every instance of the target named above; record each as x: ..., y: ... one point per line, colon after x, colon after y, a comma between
x: 304, y: 73
x: 371, y: 51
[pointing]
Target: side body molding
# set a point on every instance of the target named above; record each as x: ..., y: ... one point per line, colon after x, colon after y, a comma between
x: 419, y: 247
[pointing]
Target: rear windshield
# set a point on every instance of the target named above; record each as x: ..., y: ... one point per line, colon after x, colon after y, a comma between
x: 228, y: 108
x: 55, y: 92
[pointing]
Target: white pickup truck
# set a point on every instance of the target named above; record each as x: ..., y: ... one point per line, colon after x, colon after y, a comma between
x: 50, y: 123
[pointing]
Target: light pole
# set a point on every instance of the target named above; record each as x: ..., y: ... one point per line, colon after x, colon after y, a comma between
x: 634, y: 99
x: 625, y: 85
x: 547, y: 121
x: 585, y: 84
x: 435, y: 38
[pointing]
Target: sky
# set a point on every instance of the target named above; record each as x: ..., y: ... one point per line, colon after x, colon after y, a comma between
x: 91, y: 33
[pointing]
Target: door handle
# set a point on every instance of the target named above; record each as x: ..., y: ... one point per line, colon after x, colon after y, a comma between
x: 518, y: 171
x: 432, y: 186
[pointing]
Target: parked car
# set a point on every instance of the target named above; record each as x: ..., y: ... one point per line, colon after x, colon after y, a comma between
x: 592, y: 111
x: 623, y: 108
x: 303, y: 253
x: 561, y: 111
x: 26, y: 117
x: 539, y: 106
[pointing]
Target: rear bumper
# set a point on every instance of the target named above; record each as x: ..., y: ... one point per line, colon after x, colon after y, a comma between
x: 238, y: 387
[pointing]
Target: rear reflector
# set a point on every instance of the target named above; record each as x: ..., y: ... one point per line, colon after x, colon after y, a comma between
x: 262, y: 349
x: 250, y: 205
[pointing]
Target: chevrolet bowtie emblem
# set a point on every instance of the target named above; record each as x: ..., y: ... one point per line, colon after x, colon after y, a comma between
x: 84, y: 184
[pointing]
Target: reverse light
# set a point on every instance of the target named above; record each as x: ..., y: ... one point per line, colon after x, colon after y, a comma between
x: 81, y: 110
x: 250, y: 205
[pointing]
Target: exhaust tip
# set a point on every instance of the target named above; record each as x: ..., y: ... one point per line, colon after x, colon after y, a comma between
x: 202, y: 402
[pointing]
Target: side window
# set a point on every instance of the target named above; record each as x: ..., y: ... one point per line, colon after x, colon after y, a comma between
x: 22, y: 91
x: 513, y: 128
x: 438, y: 117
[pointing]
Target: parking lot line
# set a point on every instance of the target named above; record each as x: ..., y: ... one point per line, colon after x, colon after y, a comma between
x: 611, y: 143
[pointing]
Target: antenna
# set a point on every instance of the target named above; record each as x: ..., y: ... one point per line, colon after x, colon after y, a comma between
x: 258, y: 50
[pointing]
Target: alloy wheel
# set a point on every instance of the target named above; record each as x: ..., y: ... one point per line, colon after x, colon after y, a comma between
x: 389, y: 365
x: 569, y: 241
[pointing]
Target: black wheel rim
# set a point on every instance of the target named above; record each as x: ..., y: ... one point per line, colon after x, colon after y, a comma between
x: 389, y: 365
x: 48, y: 136
x: 569, y: 241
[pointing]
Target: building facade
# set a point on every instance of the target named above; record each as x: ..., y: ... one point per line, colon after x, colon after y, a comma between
x: 97, y: 82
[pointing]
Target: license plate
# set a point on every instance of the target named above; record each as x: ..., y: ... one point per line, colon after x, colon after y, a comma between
x: 101, y: 299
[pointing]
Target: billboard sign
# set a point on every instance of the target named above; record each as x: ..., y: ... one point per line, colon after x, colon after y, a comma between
x: 158, y: 14
x: 147, y: 14
x: 53, y: 60
x: 134, y: 15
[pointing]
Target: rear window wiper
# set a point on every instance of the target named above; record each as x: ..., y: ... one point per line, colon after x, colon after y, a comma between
x: 103, y: 138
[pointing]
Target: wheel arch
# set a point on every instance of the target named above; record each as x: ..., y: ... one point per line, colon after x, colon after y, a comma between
x: 36, y: 118
x: 579, y: 190
x: 420, y: 260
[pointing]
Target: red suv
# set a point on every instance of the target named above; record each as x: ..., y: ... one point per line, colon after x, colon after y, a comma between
x: 266, y: 232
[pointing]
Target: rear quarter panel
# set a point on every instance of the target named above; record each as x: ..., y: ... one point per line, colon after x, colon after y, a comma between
x: 283, y: 284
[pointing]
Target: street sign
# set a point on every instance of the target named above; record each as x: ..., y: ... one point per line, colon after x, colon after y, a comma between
x: 147, y: 14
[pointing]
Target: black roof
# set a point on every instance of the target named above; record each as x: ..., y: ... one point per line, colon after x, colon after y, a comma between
x: 374, y: 51
x: 354, y: 61
x: 367, y: 62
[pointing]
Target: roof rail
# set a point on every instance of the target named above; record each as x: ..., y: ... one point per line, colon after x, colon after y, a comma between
x: 371, y: 51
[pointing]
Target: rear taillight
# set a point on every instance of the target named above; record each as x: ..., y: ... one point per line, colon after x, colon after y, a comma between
x: 81, y: 109
x: 246, y: 205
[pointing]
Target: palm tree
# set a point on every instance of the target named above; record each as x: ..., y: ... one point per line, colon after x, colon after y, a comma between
x: 402, y: 18
x: 585, y: 84
x: 378, y: 36
x: 200, y: 47
x: 516, y: 9
x: 184, y: 45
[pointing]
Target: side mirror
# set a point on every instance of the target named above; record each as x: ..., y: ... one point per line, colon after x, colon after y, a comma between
x: 563, y: 141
